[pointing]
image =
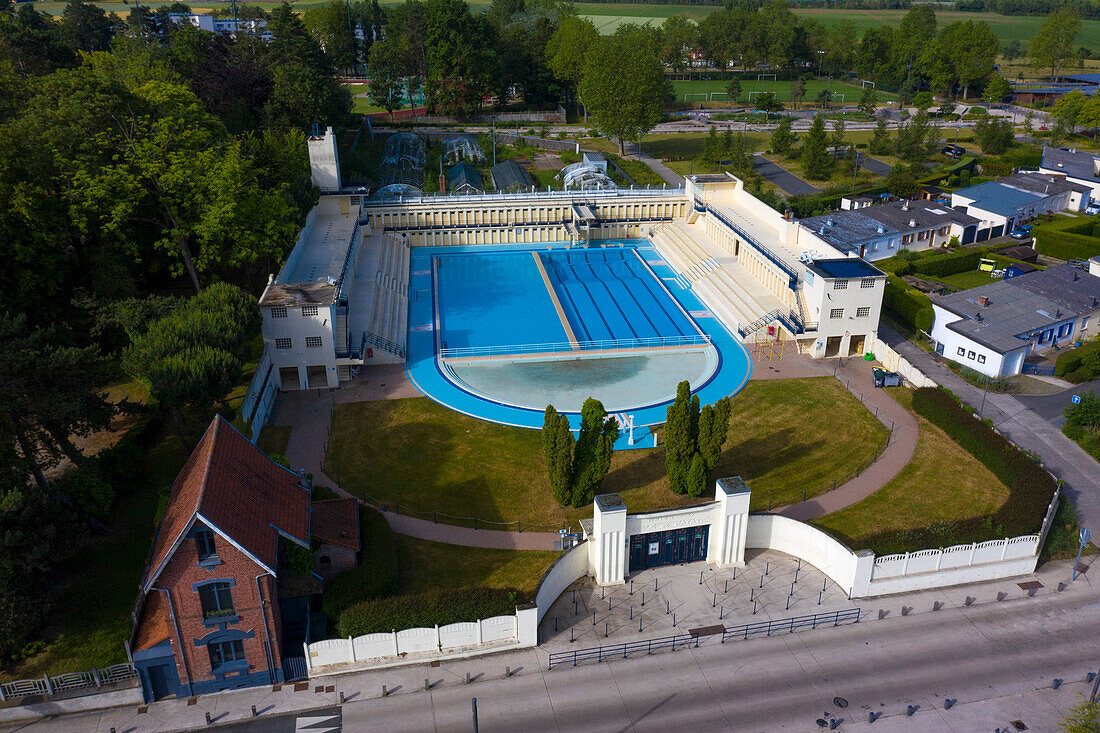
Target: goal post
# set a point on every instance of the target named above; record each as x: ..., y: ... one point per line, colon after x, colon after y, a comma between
x: 864, y: 84
x: 695, y: 94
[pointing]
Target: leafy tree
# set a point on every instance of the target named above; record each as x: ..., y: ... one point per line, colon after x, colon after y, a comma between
x: 462, y: 58
x: 836, y: 140
x: 782, y: 139
x: 768, y: 104
x: 49, y: 394
x: 881, y: 142
x: 902, y: 182
x: 193, y: 356
x: 923, y: 100
x: 712, y: 147
x: 592, y: 454
x: 969, y: 48
x: 557, y: 450
x: 817, y: 163
x: 912, y: 140
x: 679, y: 36
x: 623, y: 84
x: 694, y: 439
x: 1012, y: 50
x: 1053, y: 43
x: 330, y: 25
x: 384, y: 66
x: 32, y: 42
x: 720, y: 35
x: 868, y: 100
x: 733, y: 89
x: 798, y: 91
x: 301, y: 97
x: 995, y: 135
x: 997, y: 90
x: 85, y: 27
x: 566, y: 49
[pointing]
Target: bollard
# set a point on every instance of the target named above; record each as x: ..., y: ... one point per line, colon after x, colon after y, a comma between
x: 721, y: 612
x: 788, y: 608
x: 761, y: 581
x: 754, y: 608
x: 936, y: 605
x: 1031, y: 592
x: 752, y: 594
x: 714, y: 601
x: 872, y: 716
x: 654, y: 584
x: 792, y: 590
x: 948, y: 702
x: 700, y: 577
x: 608, y: 604
x: 575, y: 608
x: 574, y: 598
x: 819, y: 593
x: 385, y: 692
x: 1056, y: 683
x: 643, y: 599
x: 632, y: 613
x: 571, y: 635
x: 909, y: 710
x: 796, y: 572
x: 605, y: 629
x: 767, y: 568
x: 673, y: 619
x: 735, y: 573
x: 666, y: 608
x: 1061, y: 587
x: 904, y: 610
x: 555, y: 624
x: 507, y: 672
x: 427, y: 685
x: 209, y: 720
x: 632, y: 587
x: 726, y: 589
x: 341, y: 697
x: 639, y: 623
x: 824, y: 585
x: 254, y: 713
x: 969, y: 601
x: 593, y: 618
x: 1001, y: 596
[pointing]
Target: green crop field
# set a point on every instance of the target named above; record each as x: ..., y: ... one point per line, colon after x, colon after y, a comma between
x: 843, y: 93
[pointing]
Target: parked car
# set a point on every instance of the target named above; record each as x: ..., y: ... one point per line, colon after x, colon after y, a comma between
x: 1021, y: 232
x: 1093, y: 209
x: 955, y: 151
x: 883, y: 378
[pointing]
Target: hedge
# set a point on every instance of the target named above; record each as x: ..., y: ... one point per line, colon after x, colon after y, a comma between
x: 436, y: 606
x: 906, y: 305
x: 950, y: 263
x: 1080, y: 364
x: 1068, y: 239
x: 376, y: 575
x: 1030, y: 486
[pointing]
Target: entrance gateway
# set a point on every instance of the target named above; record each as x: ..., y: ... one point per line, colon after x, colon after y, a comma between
x: 670, y: 547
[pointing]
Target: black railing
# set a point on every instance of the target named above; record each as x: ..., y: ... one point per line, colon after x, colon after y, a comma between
x: 679, y: 641
x: 382, y: 343
x: 791, y: 273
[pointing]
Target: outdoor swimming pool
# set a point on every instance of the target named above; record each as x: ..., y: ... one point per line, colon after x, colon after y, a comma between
x: 498, y: 332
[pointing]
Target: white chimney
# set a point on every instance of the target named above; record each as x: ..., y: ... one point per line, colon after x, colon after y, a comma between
x: 912, y: 223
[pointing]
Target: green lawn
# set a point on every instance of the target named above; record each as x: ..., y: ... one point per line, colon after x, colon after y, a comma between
x: 782, y: 441
x: 844, y: 94
x: 942, y: 483
x: 968, y: 279
x: 423, y: 565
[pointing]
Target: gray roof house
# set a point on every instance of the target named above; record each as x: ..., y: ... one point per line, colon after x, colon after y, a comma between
x: 508, y: 175
x: 1077, y: 165
x: 464, y: 178
x: 876, y: 232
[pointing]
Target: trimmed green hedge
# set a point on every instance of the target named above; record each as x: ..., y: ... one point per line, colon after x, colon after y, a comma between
x: 1031, y: 487
x: 376, y: 575
x: 1079, y: 365
x: 950, y: 263
x: 436, y: 606
x: 1069, y: 238
x: 909, y: 307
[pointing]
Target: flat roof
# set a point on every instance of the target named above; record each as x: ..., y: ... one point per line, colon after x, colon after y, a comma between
x: 1076, y: 163
x: 845, y: 268
x: 846, y: 229
x: 998, y: 198
x: 299, y: 294
x: 322, y: 253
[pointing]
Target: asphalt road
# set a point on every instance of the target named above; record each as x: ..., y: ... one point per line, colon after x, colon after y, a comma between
x: 998, y: 660
x: 781, y: 177
x: 1051, y: 406
x: 875, y: 166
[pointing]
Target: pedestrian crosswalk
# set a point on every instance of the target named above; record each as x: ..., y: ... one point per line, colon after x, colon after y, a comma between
x: 320, y: 723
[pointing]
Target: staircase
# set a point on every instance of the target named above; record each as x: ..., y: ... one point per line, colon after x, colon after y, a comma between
x: 389, y: 317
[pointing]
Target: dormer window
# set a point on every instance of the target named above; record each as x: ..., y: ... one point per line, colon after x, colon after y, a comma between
x: 204, y: 541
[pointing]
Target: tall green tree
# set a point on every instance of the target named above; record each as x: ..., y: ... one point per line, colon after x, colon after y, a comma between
x: 462, y: 57
x: 557, y: 450
x: 817, y: 163
x: 782, y: 139
x: 86, y: 27
x: 331, y: 26
x: 679, y: 36
x: 1054, y: 41
x: 868, y: 100
x: 384, y: 66
x: 565, y: 52
x: 881, y: 143
x: 623, y: 84
x: 694, y: 438
x: 592, y: 454
x: 997, y: 90
x: 798, y: 91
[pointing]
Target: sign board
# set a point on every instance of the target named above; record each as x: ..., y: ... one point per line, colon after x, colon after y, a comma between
x: 1075, y: 399
x: 1086, y: 536
x: 654, y: 548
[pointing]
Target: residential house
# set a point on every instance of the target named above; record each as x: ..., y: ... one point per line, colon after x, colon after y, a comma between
x: 1003, y: 204
x: 208, y: 614
x: 1076, y: 165
x: 878, y: 232
x: 994, y: 328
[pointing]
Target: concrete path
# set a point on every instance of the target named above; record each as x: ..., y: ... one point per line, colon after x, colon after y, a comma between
x: 781, y: 177
x: 855, y: 374
x: 875, y: 166
x: 1027, y: 429
x: 1051, y: 406
x: 997, y: 658
x: 670, y: 176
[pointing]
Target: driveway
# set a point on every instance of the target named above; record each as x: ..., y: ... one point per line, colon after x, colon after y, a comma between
x: 876, y: 166
x: 789, y: 182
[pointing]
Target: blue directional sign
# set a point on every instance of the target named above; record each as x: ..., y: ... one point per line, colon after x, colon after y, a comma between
x: 1075, y: 399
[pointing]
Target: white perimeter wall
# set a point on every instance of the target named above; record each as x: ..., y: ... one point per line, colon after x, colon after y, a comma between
x: 831, y: 557
x: 566, y: 570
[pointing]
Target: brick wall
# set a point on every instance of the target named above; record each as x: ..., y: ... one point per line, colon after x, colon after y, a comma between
x: 182, y: 571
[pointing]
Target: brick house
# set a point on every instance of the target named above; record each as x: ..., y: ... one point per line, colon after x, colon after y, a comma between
x: 336, y: 528
x: 208, y: 615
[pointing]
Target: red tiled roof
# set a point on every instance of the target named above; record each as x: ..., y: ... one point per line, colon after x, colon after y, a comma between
x: 336, y: 521
x: 238, y: 490
x: 153, y: 625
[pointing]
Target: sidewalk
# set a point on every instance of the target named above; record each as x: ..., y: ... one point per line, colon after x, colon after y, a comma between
x: 670, y: 176
x: 526, y: 667
x: 1061, y: 456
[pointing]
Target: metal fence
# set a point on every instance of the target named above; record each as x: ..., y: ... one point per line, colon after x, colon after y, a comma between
x: 47, y: 685
x: 679, y: 641
x: 567, y: 346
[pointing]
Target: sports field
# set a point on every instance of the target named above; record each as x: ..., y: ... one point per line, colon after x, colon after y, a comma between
x: 844, y: 94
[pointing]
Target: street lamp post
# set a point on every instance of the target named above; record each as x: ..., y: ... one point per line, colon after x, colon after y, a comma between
x: 820, y: 58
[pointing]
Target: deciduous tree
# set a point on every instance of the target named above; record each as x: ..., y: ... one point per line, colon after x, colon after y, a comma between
x: 817, y: 163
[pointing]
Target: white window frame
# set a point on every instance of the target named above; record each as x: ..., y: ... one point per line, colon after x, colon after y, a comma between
x: 863, y: 312
x: 278, y: 311
x: 309, y: 311
x: 314, y: 342
x: 840, y: 284
x: 284, y: 344
x: 867, y: 282
x: 836, y: 313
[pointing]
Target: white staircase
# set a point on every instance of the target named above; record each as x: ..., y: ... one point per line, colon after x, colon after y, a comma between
x: 389, y: 318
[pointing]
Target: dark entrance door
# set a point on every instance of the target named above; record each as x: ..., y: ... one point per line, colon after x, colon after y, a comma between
x: 158, y: 681
x: 669, y: 547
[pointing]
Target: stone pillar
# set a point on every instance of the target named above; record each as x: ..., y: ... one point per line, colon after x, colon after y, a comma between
x: 607, y: 548
x: 861, y: 580
x: 729, y: 525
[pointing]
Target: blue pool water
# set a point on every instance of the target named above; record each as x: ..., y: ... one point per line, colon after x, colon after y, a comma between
x: 494, y: 299
x: 609, y: 294
x: 495, y: 296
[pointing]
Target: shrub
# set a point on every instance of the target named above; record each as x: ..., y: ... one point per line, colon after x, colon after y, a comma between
x: 1069, y: 239
x: 907, y: 306
x: 1080, y: 364
x: 950, y: 263
x: 436, y: 606
x: 376, y: 575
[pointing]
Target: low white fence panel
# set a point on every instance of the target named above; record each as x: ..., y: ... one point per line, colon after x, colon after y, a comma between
x: 420, y: 639
x: 498, y: 628
x: 461, y: 634
x: 67, y: 681
x: 371, y: 646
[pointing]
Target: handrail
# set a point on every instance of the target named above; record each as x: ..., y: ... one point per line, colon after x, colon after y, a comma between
x: 602, y: 653
x: 792, y: 274
x: 581, y: 196
x: 347, y: 262
x: 381, y: 342
x: 554, y: 347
